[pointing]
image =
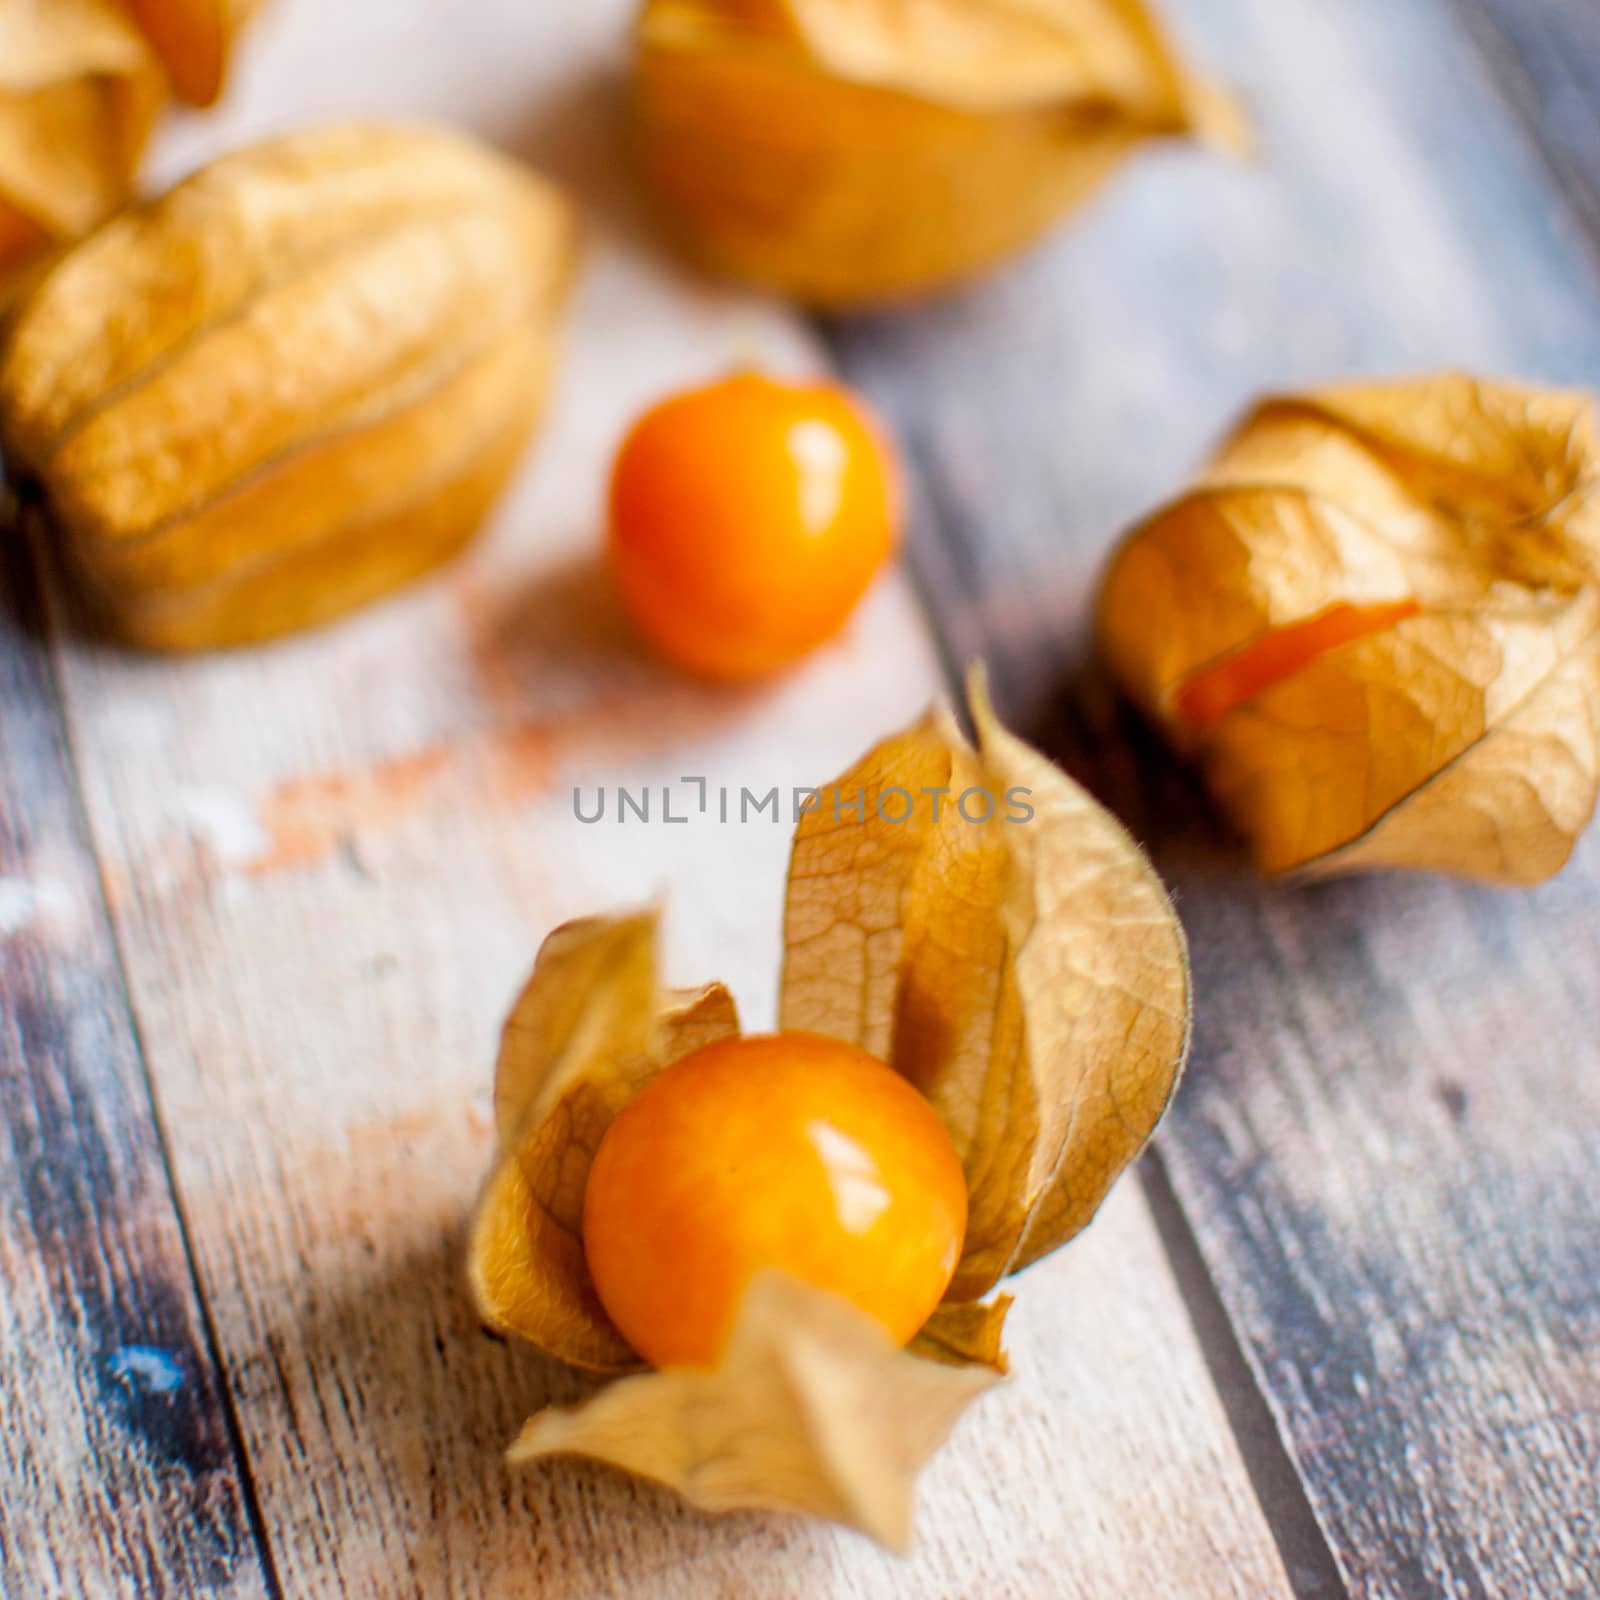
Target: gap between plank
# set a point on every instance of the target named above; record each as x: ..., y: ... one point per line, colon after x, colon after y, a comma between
x: 1307, y: 1557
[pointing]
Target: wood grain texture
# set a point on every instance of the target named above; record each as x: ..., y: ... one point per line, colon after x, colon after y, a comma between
x: 118, y: 1473
x: 1545, y: 59
x: 1389, y: 1144
x: 329, y: 866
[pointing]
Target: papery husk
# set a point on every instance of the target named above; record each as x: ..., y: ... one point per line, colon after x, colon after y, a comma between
x: 589, y: 1030
x: 967, y: 1333
x: 296, y: 382
x: 1029, y: 976
x: 1463, y: 739
x: 79, y: 94
x: 851, y: 151
x: 194, y: 40
x: 813, y: 1409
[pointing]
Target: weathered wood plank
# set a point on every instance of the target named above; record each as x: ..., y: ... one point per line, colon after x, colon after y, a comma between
x: 1545, y: 59
x: 1390, y: 1141
x: 330, y: 865
x: 118, y: 1472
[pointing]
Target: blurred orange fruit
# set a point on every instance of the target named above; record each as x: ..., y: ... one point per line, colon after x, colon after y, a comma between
x: 748, y: 518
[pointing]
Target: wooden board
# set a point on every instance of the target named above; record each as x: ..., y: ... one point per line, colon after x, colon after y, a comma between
x: 251, y: 993
x: 117, y: 1454
x: 328, y: 866
x: 1545, y: 61
x: 1389, y: 1145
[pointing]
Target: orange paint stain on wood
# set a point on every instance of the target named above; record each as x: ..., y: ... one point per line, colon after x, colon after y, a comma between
x: 452, y: 1121
x: 307, y: 819
x: 525, y: 758
x: 560, y: 635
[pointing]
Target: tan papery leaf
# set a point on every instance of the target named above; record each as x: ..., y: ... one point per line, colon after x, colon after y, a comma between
x: 1374, y: 621
x: 967, y: 1333
x: 1027, y: 973
x: 813, y: 1409
x: 589, y: 1030
x: 856, y: 150
x: 79, y: 93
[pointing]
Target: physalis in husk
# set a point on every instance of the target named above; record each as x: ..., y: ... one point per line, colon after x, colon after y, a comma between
x: 79, y: 94
x: 850, y: 151
x: 1374, y: 621
x: 1014, y: 960
x: 296, y: 381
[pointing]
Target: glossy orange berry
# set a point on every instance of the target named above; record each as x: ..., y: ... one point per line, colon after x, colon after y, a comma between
x: 791, y: 1151
x: 747, y: 520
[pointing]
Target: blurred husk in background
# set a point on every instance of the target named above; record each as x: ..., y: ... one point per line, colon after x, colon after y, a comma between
x: 295, y: 382
x: 858, y: 151
x: 1374, y: 622
x: 79, y: 94
x: 82, y: 83
x: 194, y: 41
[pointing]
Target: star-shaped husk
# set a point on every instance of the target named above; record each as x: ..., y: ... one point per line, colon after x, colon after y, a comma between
x: 973, y: 917
x: 855, y: 150
x: 1374, y: 621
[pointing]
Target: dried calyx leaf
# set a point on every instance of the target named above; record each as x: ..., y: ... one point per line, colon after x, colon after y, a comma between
x: 1375, y: 621
x: 589, y: 1030
x: 967, y: 1333
x: 1025, y: 970
x: 813, y: 1409
x: 79, y: 92
x: 853, y: 150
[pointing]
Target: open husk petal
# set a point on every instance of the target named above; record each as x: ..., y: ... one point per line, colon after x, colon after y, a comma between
x: 1028, y: 974
x: 79, y: 93
x: 589, y: 1030
x: 848, y: 151
x: 812, y: 1409
x: 1463, y: 734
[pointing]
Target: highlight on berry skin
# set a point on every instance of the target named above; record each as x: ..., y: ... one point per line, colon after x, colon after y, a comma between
x: 748, y: 518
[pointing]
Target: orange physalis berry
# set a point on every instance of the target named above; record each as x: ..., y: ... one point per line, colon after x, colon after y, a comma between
x: 791, y: 1151
x: 747, y: 520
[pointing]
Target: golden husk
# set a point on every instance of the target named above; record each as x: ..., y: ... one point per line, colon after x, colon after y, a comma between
x: 194, y: 40
x: 852, y: 151
x: 1028, y: 976
x: 1464, y: 738
x: 296, y: 382
x: 79, y: 93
